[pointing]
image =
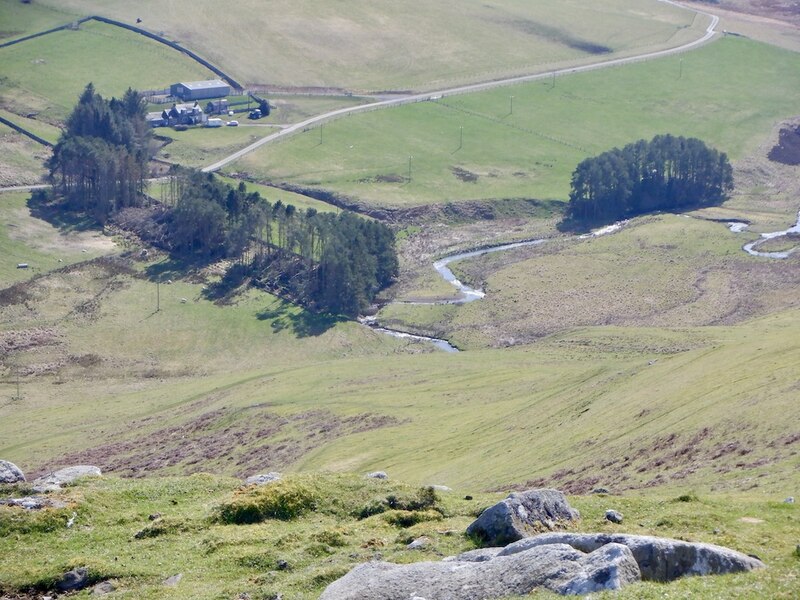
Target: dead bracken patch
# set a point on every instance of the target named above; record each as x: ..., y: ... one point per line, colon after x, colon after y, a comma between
x: 28, y: 339
x: 464, y: 175
x: 244, y: 440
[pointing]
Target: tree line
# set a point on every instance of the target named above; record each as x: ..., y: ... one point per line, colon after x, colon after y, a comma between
x: 665, y: 173
x: 99, y: 164
x: 328, y: 262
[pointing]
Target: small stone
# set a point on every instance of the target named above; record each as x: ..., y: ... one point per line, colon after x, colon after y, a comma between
x: 174, y: 580
x: 614, y: 516
x: 600, y: 490
x: 154, y: 516
x: 10, y: 473
x: 377, y: 475
x: 77, y: 579
x: 467, y: 497
x: 419, y: 543
x: 103, y: 588
x: 282, y: 565
x: 789, y: 500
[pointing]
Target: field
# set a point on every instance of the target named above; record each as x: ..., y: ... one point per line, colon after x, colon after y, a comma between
x: 361, y: 46
x: 21, y: 160
x: 729, y: 94
x: 47, y: 74
x: 658, y: 361
x: 297, y: 558
x: 263, y: 384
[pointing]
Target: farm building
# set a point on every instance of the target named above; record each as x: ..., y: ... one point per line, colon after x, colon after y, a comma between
x: 200, y: 90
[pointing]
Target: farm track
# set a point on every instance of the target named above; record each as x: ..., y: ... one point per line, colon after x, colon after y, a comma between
x: 477, y: 87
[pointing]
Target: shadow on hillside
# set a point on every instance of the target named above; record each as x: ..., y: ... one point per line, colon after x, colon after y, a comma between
x: 42, y: 206
x: 301, y: 322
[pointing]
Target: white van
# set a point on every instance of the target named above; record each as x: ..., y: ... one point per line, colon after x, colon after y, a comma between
x: 213, y: 122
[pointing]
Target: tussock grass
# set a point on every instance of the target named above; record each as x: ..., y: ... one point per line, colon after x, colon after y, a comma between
x: 299, y: 557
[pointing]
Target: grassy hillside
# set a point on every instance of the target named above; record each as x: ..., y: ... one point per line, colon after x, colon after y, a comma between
x: 360, y: 45
x: 114, y: 537
x: 253, y: 383
x: 47, y: 74
x: 687, y: 272
x: 729, y: 93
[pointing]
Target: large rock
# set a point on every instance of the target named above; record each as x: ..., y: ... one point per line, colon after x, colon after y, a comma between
x: 54, y: 481
x: 558, y: 568
x: 10, y: 473
x: 77, y: 579
x: 521, y: 515
x: 263, y: 478
x: 659, y: 559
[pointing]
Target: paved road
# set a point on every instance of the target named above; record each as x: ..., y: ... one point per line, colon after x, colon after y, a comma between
x: 477, y: 87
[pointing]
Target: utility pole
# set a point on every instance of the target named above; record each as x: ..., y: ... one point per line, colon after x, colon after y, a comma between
x: 409, y: 167
x: 680, y: 68
x: 461, y: 137
x: 320, y: 134
x: 511, y: 105
x: 554, y: 80
x: 158, y: 296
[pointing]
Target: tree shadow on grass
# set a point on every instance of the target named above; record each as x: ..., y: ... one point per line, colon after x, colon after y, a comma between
x: 42, y: 206
x: 301, y: 322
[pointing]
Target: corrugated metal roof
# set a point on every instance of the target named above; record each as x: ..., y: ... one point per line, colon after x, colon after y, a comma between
x: 201, y: 85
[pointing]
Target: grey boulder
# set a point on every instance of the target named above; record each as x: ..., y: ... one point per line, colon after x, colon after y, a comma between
x: 10, y: 473
x: 521, y: 515
x: 263, y: 478
x: 659, y: 559
x: 77, y: 579
x: 614, y: 516
x: 54, y: 481
x: 479, y: 555
x: 558, y: 568
x: 377, y: 475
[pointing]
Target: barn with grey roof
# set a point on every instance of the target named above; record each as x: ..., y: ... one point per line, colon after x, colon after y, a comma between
x: 200, y: 90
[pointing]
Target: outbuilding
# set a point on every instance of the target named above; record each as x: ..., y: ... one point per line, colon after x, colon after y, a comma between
x: 199, y: 90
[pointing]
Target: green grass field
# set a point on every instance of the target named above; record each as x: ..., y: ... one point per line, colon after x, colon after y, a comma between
x: 227, y: 561
x: 21, y: 159
x: 729, y: 93
x: 20, y: 19
x: 47, y: 74
x: 363, y: 46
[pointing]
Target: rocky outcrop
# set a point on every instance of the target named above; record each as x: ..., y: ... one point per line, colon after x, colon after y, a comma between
x: 263, y: 478
x: 558, y: 568
x: 659, y: 559
x: 10, y: 473
x: 522, y: 514
x: 54, y: 481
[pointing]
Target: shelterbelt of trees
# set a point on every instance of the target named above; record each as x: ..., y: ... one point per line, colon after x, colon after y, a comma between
x: 330, y: 263
x: 665, y: 173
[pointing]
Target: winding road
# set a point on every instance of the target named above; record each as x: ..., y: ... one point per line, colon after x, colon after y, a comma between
x: 476, y: 87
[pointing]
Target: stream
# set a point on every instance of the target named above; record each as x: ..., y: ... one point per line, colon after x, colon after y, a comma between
x: 750, y: 248
x: 469, y: 294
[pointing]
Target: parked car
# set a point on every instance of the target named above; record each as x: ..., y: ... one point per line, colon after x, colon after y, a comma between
x: 233, y: 123
x: 255, y: 113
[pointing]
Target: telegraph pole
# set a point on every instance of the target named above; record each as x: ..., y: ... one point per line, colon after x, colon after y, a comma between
x: 409, y: 167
